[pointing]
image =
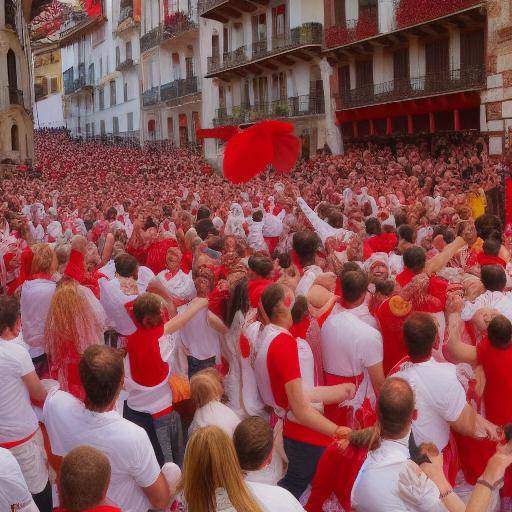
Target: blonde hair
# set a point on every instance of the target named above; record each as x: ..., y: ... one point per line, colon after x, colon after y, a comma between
x: 211, y: 462
x: 43, y: 259
x: 205, y: 387
x: 70, y: 320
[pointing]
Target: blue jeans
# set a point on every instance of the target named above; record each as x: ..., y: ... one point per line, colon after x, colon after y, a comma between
x: 302, y: 461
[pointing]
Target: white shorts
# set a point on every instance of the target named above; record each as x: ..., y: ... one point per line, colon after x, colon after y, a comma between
x: 31, y: 457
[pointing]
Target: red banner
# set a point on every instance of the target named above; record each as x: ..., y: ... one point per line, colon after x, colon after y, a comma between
x: 93, y: 7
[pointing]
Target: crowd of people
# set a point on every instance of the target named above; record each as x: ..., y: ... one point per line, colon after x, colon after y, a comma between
x: 337, y: 338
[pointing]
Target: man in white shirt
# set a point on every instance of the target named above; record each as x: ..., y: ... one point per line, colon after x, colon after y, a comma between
x: 19, y: 384
x: 137, y: 483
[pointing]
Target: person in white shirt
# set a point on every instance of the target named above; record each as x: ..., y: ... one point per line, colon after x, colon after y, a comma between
x: 255, y: 236
x: 14, y: 493
x: 179, y: 285
x: 137, y: 483
x: 19, y: 385
x: 305, y: 245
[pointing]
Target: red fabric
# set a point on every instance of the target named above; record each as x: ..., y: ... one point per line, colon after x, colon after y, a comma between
x: 333, y: 412
x: 93, y: 7
x: 300, y: 330
x: 256, y: 289
x: 451, y: 460
x: 437, y: 288
x: 66, y: 365
x: 283, y: 366
x: 13, y: 444
x: 146, y: 365
x: 391, y: 328
x: 296, y: 261
x: 186, y: 261
x: 76, y: 270
x: 245, y: 346
x: 508, y: 201
x: 385, y: 242
x: 156, y: 254
x: 336, y: 473
x: 25, y: 264
x: 484, y: 259
x: 251, y: 151
x: 137, y: 252
x: 222, y: 132
x: 271, y: 242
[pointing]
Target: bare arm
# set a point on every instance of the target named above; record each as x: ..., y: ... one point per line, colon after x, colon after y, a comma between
x: 471, y: 424
x: 155, y: 286
x: 158, y: 493
x: 376, y: 373
x: 304, y: 412
x: 331, y: 394
x: 216, y: 323
x: 107, y: 249
x: 461, y: 352
x: 176, y: 323
x: 35, y: 388
x: 439, y: 261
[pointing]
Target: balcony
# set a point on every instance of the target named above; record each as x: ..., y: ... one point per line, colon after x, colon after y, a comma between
x: 415, y: 12
x: 178, y: 88
x: 470, y: 78
x: 179, y: 23
x: 367, y: 25
x: 125, y: 65
x: 298, y: 106
x: 10, y: 14
x: 307, y: 35
x: 150, y: 39
x: 125, y: 10
x: 151, y: 97
x: 40, y: 91
x: 15, y: 96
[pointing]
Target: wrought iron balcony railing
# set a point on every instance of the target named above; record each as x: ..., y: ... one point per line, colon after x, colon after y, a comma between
x: 367, y: 25
x: 10, y: 14
x: 178, y: 23
x: 417, y: 87
x: 413, y: 12
x: 15, y: 96
x: 151, y: 39
x: 151, y: 97
x: 40, y: 91
x: 206, y: 5
x: 126, y: 64
x: 307, y: 34
x: 78, y: 83
x: 292, y: 107
x: 178, y: 88
x: 125, y: 10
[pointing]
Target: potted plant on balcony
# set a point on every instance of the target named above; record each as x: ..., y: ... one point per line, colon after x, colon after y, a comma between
x: 281, y: 109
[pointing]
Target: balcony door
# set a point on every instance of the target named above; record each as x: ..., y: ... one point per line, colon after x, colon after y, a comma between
x: 260, y: 86
x: 472, y: 55
x: 401, y: 73
x: 364, y: 79
x: 437, y: 64
x: 12, y: 77
x: 278, y: 26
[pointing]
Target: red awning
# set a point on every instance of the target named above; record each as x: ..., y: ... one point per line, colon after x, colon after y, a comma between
x: 446, y: 102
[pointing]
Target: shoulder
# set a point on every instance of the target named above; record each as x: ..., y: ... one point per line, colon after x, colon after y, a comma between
x: 274, y: 497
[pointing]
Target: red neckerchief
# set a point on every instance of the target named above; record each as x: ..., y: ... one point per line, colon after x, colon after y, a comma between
x: 169, y: 275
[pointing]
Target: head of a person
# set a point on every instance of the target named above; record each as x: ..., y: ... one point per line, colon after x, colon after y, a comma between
x: 486, y: 224
x: 205, y: 387
x: 407, y: 233
x: 305, y: 244
x: 260, y: 266
x: 203, y: 212
x: 101, y: 372
x: 83, y: 479
x: 211, y: 462
x: 111, y: 214
x: 204, y: 280
x: 147, y: 310
x: 354, y: 285
x: 499, y: 332
x: 173, y: 259
x: 62, y: 253
x: 415, y: 259
x: 493, y: 277
x: 491, y: 246
x: 420, y: 334
x: 395, y: 408
x: 186, y: 221
x: 44, y: 260
x: 10, y: 317
x: 253, y: 440
x: 204, y: 228
x: 335, y: 218
x: 257, y: 216
x: 127, y: 265
x: 277, y: 302
x: 372, y: 226
x: 378, y: 270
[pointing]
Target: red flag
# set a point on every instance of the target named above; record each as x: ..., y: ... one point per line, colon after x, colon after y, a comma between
x: 93, y: 7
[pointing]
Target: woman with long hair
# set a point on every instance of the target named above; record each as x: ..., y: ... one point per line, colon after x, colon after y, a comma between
x: 75, y: 321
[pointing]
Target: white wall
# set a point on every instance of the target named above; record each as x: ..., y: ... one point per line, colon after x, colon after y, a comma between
x: 48, y: 112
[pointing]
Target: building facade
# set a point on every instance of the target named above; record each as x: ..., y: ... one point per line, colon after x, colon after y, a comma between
x: 47, y: 109
x: 170, y: 71
x: 16, y: 131
x: 100, y: 59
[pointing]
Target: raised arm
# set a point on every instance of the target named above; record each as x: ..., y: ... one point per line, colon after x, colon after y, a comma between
x: 461, y: 352
x: 439, y: 261
x: 176, y: 323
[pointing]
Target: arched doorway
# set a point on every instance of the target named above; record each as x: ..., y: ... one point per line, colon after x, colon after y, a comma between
x: 151, y: 129
x: 12, y: 77
x: 15, y: 138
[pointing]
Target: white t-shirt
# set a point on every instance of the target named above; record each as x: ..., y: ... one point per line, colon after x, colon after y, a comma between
x: 274, y: 498
x: 17, y: 418
x: 14, y: 493
x: 349, y: 345
x: 127, y: 446
x: 440, y: 398
x: 363, y: 313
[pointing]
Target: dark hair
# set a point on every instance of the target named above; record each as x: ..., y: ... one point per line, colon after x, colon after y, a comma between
x: 205, y: 227
x: 305, y: 244
x: 395, y: 406
x: 253, y: 440
x: 354, y: 285
x: 335, y: 218
x: 126, y: 265
x: 148, y: 306
x: 216, y: 243
x: 299, y: 309
x: 499, y: 331
x: 101, y: 372
x: 238, y: 300
x: 406, y: 232
x: 385, y: 287
x: 349, y: 266
x: 203, y: 212
x: 272, y: 295
x: 493, y: 277
x: 420, y: 333
x: 492, y: 246
x: 415, y: 258
x: 257, y: 216
x: 447, y: 233
x: 372, y: 226
x: 111, y: 214
x: 486, y: 224
x: 260, y: 265
x: 285, y: 259
x: 9, y: 312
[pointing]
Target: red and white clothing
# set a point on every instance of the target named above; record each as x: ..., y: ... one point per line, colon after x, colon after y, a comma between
x: 308, y: 278
x: 114, y: 302
x: 127, y: 446
x: 502, y: 301
x: 178, y: 284
x: 278, y: 362
x: 36, y: 296
x: 255, y: 236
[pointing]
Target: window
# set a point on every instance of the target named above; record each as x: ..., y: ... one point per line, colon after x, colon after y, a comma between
x: 176, y: 70
x: 15, y: 140
x: 128, y: 50
x: 93, y: 129
x: 189, y: 66
x: 103, y: 131
x: 91, y: 74
x: 125, y: 92
x: 101, y: 67
x: 54, y: 84
x: 87, y: 129
x: 170, y: 129
x: 112, y: 92
x: 279, y: 21
x: 129, y: 119
x: 115, y: 125
x: 118, y: 56
x: 102, y: 98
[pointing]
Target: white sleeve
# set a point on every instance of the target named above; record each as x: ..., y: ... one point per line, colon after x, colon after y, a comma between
x: 322, y: 228
x: 25, y: 364
x: 14, y: 492
x: 372, y: 348
x: 143, y: 467
x: 453, y: 400
x: 469, y: 309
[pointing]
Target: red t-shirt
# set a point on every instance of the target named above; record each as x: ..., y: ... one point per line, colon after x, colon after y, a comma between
x: 146, y: 364
x: 283, y: 367
x: 497, y: 364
